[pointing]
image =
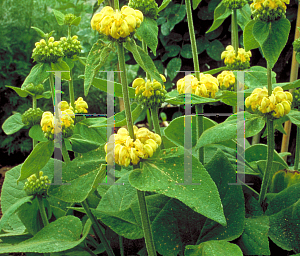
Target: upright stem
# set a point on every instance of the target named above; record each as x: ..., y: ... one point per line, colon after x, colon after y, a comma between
x: 125, y: 89
x: 293, y: 77
x: 65, y: 153
x: 146, y: 224
x: 42, y: 211
x: 200, y: 129
x: 51, y: 81
x: 71, y: 91
x: 234, y: 32
x: 192, y: 38
x: 121, y: 245
x: 154, y: 115
x: 269, y: 76
x: 34, y: 105
x: 97, y: 227
x: 149, y: 120
x: 268, y: 169
x: 69, y: 32
x: 296, y: 164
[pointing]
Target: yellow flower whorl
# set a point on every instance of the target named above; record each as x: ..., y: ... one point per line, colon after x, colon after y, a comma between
x: 117, y: 23
x: 206, y: 87
x: 81, y: 106
x: 268, y: 10
x: 123, y: 150
x: 278, y: 104
x: 226, y: 80
x: 233, y: 62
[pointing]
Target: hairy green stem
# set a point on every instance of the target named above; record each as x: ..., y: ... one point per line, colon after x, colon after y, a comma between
x: 52, y: 87
x: 71, y: 91
x: 97, y: 227
x: 154, y: 115
x: 121, y: 246
x: 200, y: 129
x: 192, y: 38
x: 42, y: 211
x: 149, y: 119
x: 125, y: 89
x: 116, y: 4
x: 65, y: 153
x: 268, y: 169
x: 234, y: 32
x: 69, y: 31
x: 269, y: 76
x: 89, y: 251
x: 34, y: 105
x: 146, y: 224
x: 296, y: 164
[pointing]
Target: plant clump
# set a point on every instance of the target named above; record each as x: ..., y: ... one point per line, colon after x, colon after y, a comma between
x: 124, y: 150
x: 278, y: 104
x: 149, y: 93
x: 206, y: 87
x: 117, y: 24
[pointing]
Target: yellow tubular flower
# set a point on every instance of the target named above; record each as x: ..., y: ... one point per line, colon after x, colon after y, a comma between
x: 81, y: 106
x: 47, y: 121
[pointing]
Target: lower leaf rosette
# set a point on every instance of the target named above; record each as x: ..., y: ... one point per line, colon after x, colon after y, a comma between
x: 124, y: 150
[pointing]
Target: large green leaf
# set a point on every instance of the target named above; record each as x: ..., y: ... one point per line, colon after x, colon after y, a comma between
x: 222, y: 173
x: 95, y: 60
x: 228, y: 129
x: 249, y: 40
x: 59, y: 16
x: 173, y: 67
x: 294, y: 116
x: 215, y: 49
x: 175, y: 132
x: 148, y: 31
x: 259, y: 152
x: 19, y: 91
x: 254, y: 240
x: 175, y: 226
x: 82, y: 145
x: 213, y: 248
x: 38, y: 74
x: 83, y: 178
x: 12, y: 209
x: 62, y: 66
x: 195, y: 99
x: 96, y: 134
x: 60, y: 235
x: 37, y: 159
x: 101, y: 84
x: 243, y: 16
x: 163, y: 5
x: 220, y: 14
x: 272, y: 37
x: 158, y: 176
x: 143, y: 59
x: 37, y: 133
x: 196, y: 3
x: 284, y: 211
x: 13, y: 124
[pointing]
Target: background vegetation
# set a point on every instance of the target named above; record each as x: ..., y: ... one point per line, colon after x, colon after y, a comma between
x: 173, y: 53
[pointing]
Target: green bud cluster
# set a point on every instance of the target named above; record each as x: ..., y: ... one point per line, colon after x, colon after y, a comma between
x: 235, y: 4
x: 268, y: 10
x: 69, y: 18
x: 47, y: 52
x: 37, y: 185
x: 149, y: 8
x: 70, y: 46
x: 296, y: 45
x: 32, y: 116
x: 155, y: 100
x: 296, y: 98
x: 35, y: 89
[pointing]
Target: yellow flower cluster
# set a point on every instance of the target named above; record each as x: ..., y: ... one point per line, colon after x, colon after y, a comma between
x: 233, y: 62
x: 67, y: 122
x: 149, y: 93
x: 117, y: 23
x: 268, y: 10
x: 80, y: 106
x: 206, y: 87
x: 123, y: 150
x: 278, y: 104
x: 226, y: 80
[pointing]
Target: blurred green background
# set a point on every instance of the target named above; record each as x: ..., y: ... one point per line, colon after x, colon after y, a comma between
x: 173, y: 53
